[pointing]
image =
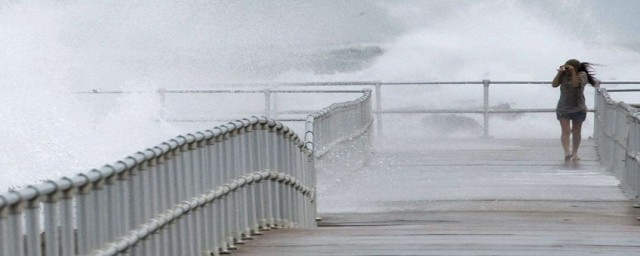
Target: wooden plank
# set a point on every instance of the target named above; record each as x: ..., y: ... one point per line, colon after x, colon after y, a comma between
x: 478, y: 197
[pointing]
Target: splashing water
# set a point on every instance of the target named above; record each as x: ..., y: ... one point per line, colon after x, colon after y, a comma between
x: 52, y: 49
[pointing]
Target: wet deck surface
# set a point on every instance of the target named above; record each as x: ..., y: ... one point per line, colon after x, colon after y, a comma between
x: 481, y: 197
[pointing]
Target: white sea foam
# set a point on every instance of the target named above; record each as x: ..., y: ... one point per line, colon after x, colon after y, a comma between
x: 51, y: 49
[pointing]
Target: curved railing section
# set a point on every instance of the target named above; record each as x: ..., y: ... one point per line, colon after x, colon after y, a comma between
x: 200, y: 215
x: 105, y: 204
x: 197, y: 194
x: 617, y: 132
x: 339, y: 123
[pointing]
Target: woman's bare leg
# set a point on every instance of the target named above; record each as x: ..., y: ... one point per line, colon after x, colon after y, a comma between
x: 565, y: 124
x: 576, y: 130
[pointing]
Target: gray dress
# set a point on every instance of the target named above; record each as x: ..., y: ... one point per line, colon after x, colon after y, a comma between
x: 572, y: 98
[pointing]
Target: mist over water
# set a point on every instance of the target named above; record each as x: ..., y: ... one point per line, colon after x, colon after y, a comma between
x: 51, y: 49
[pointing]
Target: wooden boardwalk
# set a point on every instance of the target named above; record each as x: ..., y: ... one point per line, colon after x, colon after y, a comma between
x: 457, y: 197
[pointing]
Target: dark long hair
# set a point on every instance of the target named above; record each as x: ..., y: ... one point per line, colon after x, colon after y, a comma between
x: 588, y: 68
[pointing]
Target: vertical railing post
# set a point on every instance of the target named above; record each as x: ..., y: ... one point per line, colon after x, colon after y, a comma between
x: 613, y: 124
x: 84, y: 232
x: 4, y: 229
x: 68, y: 212
x: 267, y: 103
x: 274, y: 108
x: 378, y: 85
x: 51, y: 222
x: 15, y: 229
x: 596, y: 112
x: 485, y: 110
x: 32, y: 219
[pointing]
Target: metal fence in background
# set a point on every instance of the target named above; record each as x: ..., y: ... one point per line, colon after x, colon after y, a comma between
x: 380, y: 90
x: 617, y: 132
x: 197, y: 194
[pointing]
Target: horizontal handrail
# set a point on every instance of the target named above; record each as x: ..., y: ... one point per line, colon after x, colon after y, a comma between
x: 379, y: 109
x: 623, y: 90
x: 140, y: 158
x: 471, y: 111
x: 376, y: 82
x: 205, y: 91
x: 271, y: 87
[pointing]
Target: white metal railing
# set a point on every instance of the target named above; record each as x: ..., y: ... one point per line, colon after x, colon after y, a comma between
x: 617, y: 132
x: 339, y: 123
x: 200, y: 193
x: 379, y: 88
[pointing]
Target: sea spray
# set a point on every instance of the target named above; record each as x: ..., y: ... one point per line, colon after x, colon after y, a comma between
x: 50, y: 50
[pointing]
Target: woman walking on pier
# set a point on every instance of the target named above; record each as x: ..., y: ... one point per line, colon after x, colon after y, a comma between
x: 572, y: 110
